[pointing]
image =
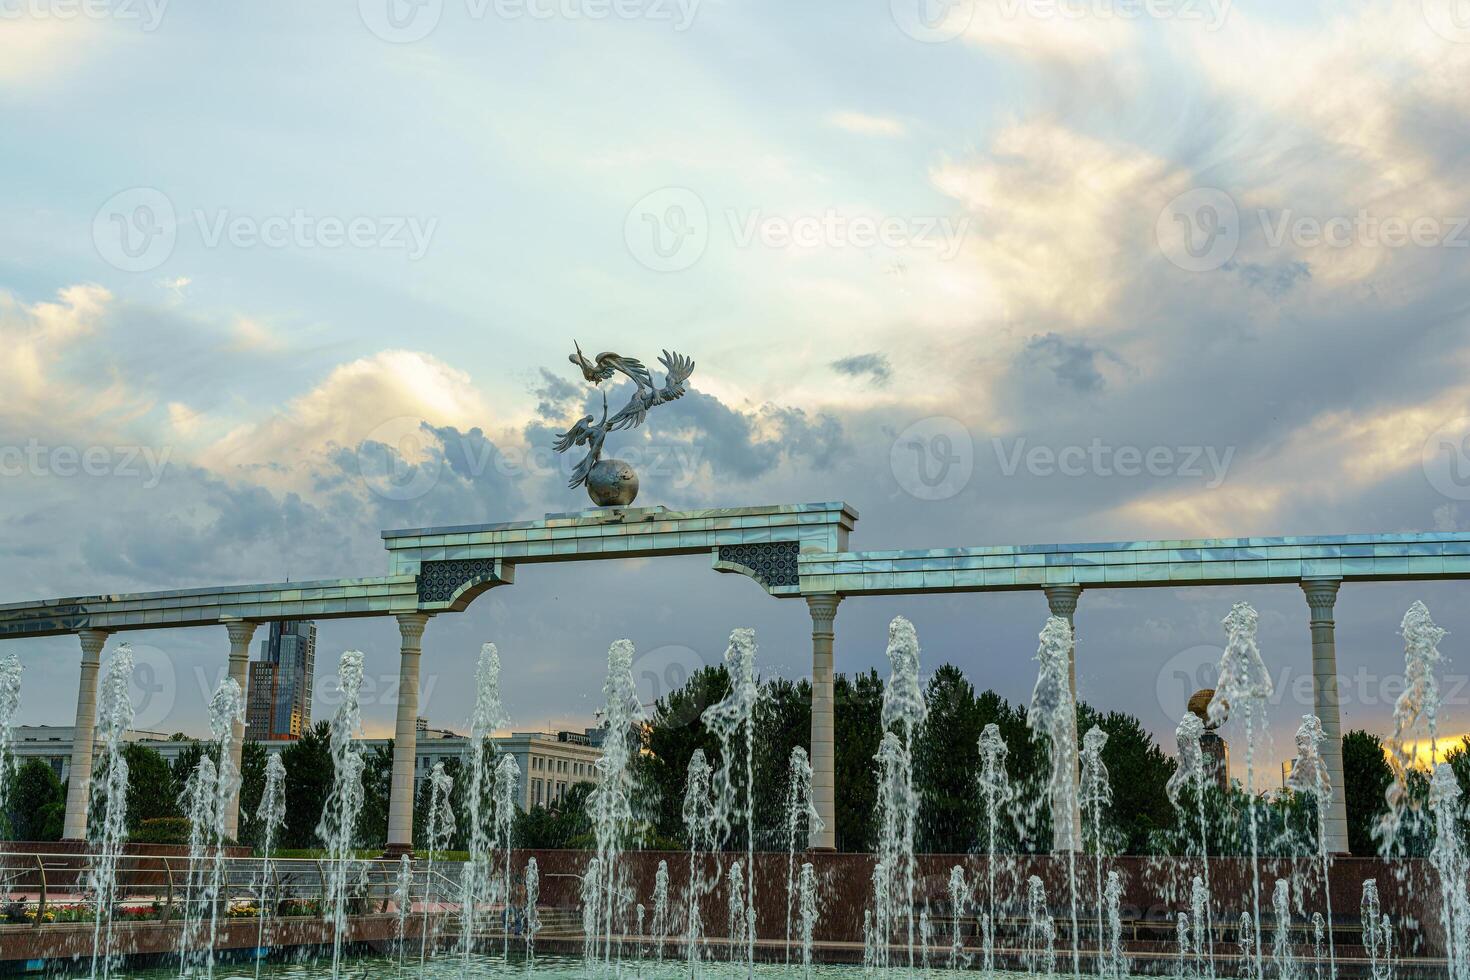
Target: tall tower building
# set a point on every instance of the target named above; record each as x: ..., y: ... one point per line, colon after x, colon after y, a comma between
x: 279, y: 703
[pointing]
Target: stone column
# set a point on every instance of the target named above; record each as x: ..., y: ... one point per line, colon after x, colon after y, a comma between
x: 241, y: 632
x: 1321, y: 597
x: 405, y: 737
x: 79, y: 780
x: 824, y: 748
x: 1062, y: 601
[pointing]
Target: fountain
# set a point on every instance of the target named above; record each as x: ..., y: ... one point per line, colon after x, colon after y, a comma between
x: 337, y: 828
x: 1309, y: 776
x: 808, y: 913
x: 9, y: 704
x: 109, y: 806
x: 1190, y: 773
x: 403, y: 902
x: 215, y: 785
x: 802, y: 821
x: 440, y: 829
x: 480, y: 797
x: 959, y: 896
x: 732, y: 722
x: 699, y: 827
x: 1053, y: 717
x: 1094, y: 794
x: 1245, y: 685
x: 660, y: 909
x: 270, y: 816
x: 1040, y: 943
x: 903, y: 712
x: 533, y: 910
x: 1415, y: 716
x: 611, y: 804
x: 996, y: 792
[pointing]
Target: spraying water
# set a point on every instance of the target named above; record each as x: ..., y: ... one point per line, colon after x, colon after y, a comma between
x: 660, y: 909
x: 1040, y: 951
x: 199, y: 794
x: 959, y: 895
x: 1448, y: 857
x: 808, y: 914
x: 995, y: 790
x: 507, y: 778
x: 226, y: 709
x: 1377, y: 933
x: 108, y: 828
x: 700, y: 829
x: 486, y: 716
x: 403, y: 901
x: 9, y: 704
x: 437, y: 836
x: 802, y: 821
x: 1053, y: 716
x: 611, y: 803
x: 270, y: 815
x: 903, y: 713
x: 732, y: 721
x: 533, y: 909
x: 1113, y: 963
x: 1415, y: 714
x: 1190, y: 773
x: 1281, y: 953
x: 338, y: 824
x: 1095, y: 794
x: 735, y: 902
x: 1309, y: 775
x: 1245, y: 686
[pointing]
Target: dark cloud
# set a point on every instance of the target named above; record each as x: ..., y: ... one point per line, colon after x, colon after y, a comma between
x: 1275, y: 281
x: 1073, y: 362
x: 556, y: 394
x: 873, y: 366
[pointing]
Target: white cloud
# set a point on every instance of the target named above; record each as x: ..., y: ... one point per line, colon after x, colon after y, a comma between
x: 252, y: 335
x: 381, y: 397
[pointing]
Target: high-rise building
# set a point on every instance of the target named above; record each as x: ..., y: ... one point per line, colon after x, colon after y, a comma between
x: 279, y: 703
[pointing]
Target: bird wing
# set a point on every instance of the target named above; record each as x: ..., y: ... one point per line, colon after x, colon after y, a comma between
x: 679, y: 369
x: 608, y: 362
x: 573, y: 436
x: 632, y: 414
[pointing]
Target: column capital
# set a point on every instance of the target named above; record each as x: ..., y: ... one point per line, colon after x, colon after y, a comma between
x: 93, y: 641
x: 1062, y: 599
x: 241, y: 631
x: 1321, y: 596
x: 411, y: 628
x: 824, y: 610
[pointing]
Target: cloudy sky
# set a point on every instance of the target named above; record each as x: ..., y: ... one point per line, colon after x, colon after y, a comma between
x: 282, y: 275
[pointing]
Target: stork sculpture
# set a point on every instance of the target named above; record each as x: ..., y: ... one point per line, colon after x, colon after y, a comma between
x: 612, y: 482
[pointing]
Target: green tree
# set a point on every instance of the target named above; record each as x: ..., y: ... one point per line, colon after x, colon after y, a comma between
x: 946, y: 761
x: 252, y: 786
x: 152, y: 793
x: 783, y: 721
x: 669, y: 740
x: 565, y: 823
x: 857, y: 712
x: 377, y: 783
x: 309, y: 777
x: 1366, y: 777
x: 35, y: 803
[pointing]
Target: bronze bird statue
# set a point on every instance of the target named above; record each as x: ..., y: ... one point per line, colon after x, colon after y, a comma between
x: 596, y: 372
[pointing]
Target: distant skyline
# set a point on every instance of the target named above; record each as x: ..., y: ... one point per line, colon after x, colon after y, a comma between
x: 275, y: 278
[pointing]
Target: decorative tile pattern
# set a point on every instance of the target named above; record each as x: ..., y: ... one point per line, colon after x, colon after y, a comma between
x: 439, y: 581
x: 773, y: 564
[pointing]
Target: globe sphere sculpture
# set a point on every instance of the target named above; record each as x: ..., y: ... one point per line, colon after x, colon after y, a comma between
x: 1199, y: 705
x: 612, y: 483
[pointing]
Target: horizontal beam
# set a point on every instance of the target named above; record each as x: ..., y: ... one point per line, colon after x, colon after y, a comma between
x: 1141, y: 564
x: 335, y: 599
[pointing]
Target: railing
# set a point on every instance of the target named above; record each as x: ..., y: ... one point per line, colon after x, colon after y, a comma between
x: 37, y: 889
